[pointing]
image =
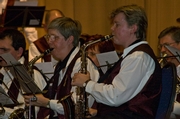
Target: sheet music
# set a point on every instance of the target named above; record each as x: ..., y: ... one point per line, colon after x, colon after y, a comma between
x: 107, y: 59
x: 20, y: 73
x: 46, y: 67
x: 174, y: 51
x: 26, y: 3
x: 9, y: 58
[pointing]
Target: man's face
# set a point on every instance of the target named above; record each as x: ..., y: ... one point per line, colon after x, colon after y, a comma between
x: 6, y: 47
x: 167, y: 40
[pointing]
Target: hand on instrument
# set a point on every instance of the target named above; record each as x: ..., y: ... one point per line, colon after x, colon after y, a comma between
x: 93, y: 112
x: 79, y: 79
x: 41, y: 100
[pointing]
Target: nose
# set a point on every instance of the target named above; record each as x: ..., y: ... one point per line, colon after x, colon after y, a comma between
x: 112, y: 27
x: 163, y: 49
x: 49, y: 41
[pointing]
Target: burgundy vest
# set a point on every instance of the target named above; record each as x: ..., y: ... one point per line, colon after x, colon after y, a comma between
x: 63, y: 89
x: 42, y: 45
x: 145, y: 103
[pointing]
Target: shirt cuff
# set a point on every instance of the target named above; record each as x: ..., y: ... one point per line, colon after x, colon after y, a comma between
x: 89, y: 86
x: 176, y: 109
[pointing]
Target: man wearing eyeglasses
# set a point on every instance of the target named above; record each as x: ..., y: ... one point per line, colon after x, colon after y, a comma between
x: 170, y: 36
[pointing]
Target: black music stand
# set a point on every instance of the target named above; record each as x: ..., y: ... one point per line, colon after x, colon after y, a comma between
x: 20, y: 73
x: 23, y: 16
x: 4, y: 98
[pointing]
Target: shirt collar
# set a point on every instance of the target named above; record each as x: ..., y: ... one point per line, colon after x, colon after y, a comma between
x: 21, y: 60
x: 128, y: 49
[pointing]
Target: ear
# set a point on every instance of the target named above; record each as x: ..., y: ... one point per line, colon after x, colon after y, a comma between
x: 20, y: 52
x: 45, y: 27
x: 133, y: 28
x: 70, y: 39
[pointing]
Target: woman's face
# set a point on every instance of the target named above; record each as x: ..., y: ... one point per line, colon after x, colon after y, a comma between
x: 121, y: 31
x: 59, y: 44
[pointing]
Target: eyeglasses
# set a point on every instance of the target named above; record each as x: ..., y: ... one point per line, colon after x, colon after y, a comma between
x: 165, y: 44
x: 51, y: 37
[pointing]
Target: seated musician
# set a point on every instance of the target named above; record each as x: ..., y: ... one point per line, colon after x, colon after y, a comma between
x: 170, y: 36
x: 131, y: 88
x: 13, y: 41
x: 63, y: 35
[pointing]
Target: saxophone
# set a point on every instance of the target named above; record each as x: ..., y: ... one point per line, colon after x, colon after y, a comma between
x: 162, y: 60
x: 80, y: 109
x: 81, y: 106
x: 19, y: 113
x: 31, y: 63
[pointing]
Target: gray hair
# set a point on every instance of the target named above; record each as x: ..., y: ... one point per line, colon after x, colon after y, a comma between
x: 134, y: 15
x: 173, y: 31
x: 67, y: 27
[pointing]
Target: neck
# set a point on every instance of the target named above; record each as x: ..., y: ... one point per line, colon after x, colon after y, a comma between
x: 69, y: 52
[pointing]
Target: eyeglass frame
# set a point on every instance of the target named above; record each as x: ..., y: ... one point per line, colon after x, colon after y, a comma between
x: 51, y: 37
x: 166, y: 44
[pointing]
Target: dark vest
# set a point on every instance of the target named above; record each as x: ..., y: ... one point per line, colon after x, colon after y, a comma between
x: 42, y: 45
x: 63, y: 89
x: 145, y: 103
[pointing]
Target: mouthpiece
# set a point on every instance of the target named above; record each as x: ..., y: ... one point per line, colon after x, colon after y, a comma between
x: 162, y: 58
x: 107, y: 37
x: 48, y: 51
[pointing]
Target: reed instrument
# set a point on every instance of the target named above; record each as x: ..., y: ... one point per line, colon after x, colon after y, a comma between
x: 19, y: 113
x: 80, y: 109
x: 81, y: 106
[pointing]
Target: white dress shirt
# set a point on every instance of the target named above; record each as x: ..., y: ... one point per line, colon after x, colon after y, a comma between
x: 135, y: 71
x: 38, y: 78
x: 57, y: 107
x: 176, y: 107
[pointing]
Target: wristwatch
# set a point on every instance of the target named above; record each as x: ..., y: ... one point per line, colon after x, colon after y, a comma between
x: 85, y: 83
